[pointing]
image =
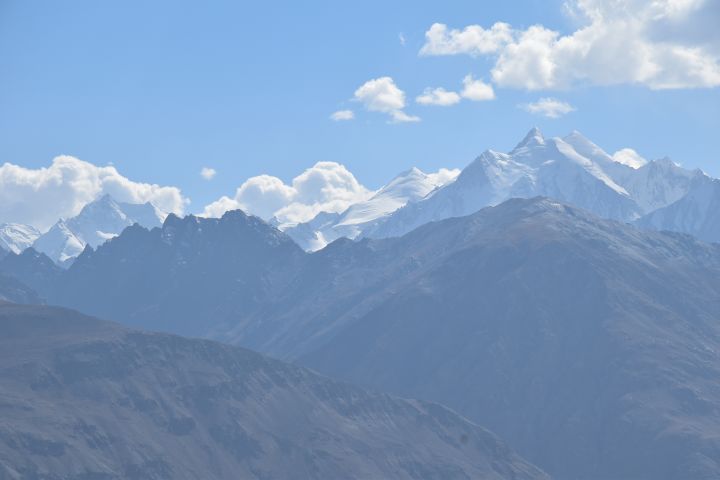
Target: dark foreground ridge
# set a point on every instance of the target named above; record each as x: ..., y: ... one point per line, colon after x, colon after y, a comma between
x: 83, y: 398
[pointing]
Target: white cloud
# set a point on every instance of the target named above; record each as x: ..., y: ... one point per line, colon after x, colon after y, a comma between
x: 262, y: 196
x: 629, y: 157
x: 438, y: 96
x: 208, y: 173
x: 402, y: 39
x: 528, y: 62
x: 549, y: 107
x: 476, y: 90
x: 659, y: 44
x: 398, y: 116
x: 382, y: 95
x: 40, y: 197
x: 472, y: 40
x: 473, y: 89
x: 342, y: 115
x: 443, y: 176
x: 223, y: 204
x: 326, y: 187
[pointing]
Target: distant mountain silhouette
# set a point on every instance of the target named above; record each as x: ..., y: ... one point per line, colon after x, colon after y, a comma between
x: 12, y: 290
x: 33, y: 269
x: 183, y: 276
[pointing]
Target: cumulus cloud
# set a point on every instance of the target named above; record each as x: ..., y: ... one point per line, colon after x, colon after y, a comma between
x: 438, y: 96
x: 398, y: 116
x: 473, y: 89
x: 208, y: 173
x: 655, y: 44
x: 443, y: 176
x: 472, y: 40
x: 629, y: 157
x: 262, y: 196
x: 382, y: 95
x: 341, y: 115
x: 548, y: 107
x: 40, y: 197
x: 476, y: 90
x: 326, y: 187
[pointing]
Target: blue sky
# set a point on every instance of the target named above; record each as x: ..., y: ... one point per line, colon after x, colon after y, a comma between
x: 162, y: 89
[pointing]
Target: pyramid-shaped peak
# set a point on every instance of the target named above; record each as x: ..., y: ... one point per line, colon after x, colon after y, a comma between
x: 587, y: 148
x: 534, y: 132
x: 575, y: 134
x: 663, y: 164
x: 488, y: 156
x: 533, y: 138
x: 60, y: 224
x: 109, y: 200
x: 414, y: 171
x: 172, y: 220
x: 411, y: 173
x: 578, y: 140
x: 104, y: 202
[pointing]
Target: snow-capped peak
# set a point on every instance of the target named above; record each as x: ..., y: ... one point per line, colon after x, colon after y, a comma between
x: 666, y: 163
x: 696, y: 213
x: 629, y: 157
x: 571, y: 169
x: 594, y: 168
x: 97, y: 222
x: 587, y: 149
x: 103, y: 206
x: 409, y: 186
x: 533, y: 138
x: 16, y: 237
x: 59, y: 243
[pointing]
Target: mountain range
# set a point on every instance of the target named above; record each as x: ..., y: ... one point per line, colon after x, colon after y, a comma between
x: 571, y: 169
x: 564, y: 300
x: 409, y: 186
x: 658, y: 194
x: 86, y: 399
x: 589, y: 345
x: 97, y: 222
x: 181, y: 277
x: 697, y: 213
